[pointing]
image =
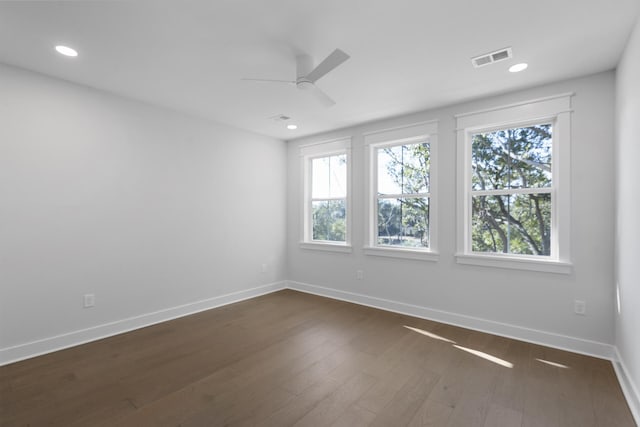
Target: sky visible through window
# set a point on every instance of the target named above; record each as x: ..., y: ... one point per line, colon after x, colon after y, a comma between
x: 391, y: 162
x: 329, y: 177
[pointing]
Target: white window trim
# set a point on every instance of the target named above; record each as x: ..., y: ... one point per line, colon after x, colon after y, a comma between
x: 556, y: 110
x: 394, y: 136
x: 307, y: 154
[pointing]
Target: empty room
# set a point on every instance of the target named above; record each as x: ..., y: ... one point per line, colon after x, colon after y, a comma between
x: 337, y: 213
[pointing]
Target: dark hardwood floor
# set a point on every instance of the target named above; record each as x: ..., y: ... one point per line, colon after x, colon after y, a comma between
x: 290, y: 358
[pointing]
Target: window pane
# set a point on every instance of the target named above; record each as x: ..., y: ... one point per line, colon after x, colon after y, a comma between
x: 320, y: 177
x: 516, y: 224
x: 531, y: 226
x: 489, y: 227
x: 338, y: 176
x: 329, y: 176
x: 390, y: 170
x: 416, y: 161
x: 512, y: 158
x: 404, y: 169
x: 329, y: 220
x: 403, y: 222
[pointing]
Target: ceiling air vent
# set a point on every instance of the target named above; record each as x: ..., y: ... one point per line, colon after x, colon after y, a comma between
x: 490, y: 58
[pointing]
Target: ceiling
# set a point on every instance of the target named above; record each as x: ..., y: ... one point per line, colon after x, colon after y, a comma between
x: 406, y: 55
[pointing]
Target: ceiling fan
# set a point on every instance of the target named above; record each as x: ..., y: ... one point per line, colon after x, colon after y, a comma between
x: 306, y: 77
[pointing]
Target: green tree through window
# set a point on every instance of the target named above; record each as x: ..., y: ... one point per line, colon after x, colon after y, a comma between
x: 403, y: 186
x: 511, y: 183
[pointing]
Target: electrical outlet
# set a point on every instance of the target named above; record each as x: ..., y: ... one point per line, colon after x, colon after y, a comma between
x: 89, y: 300
x: 359, y: 274
x: 264, y: 268
x: 580, y: 307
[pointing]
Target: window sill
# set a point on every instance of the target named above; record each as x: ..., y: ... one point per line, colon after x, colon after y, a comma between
x: 422, y: 255
x: 329, y: 247
x: 514, y: 263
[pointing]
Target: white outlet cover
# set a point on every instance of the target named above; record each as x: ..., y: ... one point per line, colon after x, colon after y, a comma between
x: 89, y: 300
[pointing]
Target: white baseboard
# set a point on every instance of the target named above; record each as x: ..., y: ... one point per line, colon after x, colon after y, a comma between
x: 549, y: 339
x: 59, y: 342
x: 628, y: 386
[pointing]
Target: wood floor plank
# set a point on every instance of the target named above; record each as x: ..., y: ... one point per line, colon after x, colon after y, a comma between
x: 406, y: 402
x: 431, y: 414
x: 301, y: 404
x: 335, y: 404
x: 355, y: 416
x: 316, y: 372
x: 379, y: 396
x: 499, y: 416
x: 290, y: 358
x: 509, y: 391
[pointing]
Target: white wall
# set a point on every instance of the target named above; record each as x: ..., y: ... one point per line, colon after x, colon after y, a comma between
x: 146, y: 208
x: 627, y: 244
x: 529, y: 305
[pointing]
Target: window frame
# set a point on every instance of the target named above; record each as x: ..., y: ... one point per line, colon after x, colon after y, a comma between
x: 404, y: 135
x: 555, y: 110
x: 308, y: 153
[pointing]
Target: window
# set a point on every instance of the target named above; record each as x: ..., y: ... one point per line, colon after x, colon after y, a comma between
x: 511, y: 189
x: 329, y: 198
x: 326, y: 223
x: 402, y: 195
x: 401, y: 173
x: 513, y: 186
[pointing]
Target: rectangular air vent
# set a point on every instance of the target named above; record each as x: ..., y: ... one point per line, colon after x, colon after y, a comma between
x: 490, y: 58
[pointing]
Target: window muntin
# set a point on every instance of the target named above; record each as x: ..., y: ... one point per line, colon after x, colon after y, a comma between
x: 402, y: 194
x: 329, y: 198
x: 512, y: 190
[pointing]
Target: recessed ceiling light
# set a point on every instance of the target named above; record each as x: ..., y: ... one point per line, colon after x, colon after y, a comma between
x: 66, y: 50
x: 518, y: 67
x: 292, y: 127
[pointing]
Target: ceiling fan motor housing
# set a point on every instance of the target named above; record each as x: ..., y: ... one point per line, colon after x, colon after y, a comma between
x: 304, y: 84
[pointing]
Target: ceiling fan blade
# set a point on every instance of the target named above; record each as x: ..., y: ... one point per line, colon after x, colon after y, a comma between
x: 322, y: 97
x: 270, y: 81
x: 336, y: 58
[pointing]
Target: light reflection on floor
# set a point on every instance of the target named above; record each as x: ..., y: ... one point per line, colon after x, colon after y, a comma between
x: 486, y: 356
x: 429, y: 334
x: 478, y: 353
x: 557, y: 365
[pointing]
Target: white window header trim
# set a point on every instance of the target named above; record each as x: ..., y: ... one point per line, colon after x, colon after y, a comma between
x: 401, y: 133
x: 325, y: 148
x: 541, y: 100
x: 539, y: 110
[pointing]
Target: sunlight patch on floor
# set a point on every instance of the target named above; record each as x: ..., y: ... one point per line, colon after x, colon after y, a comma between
x: 557, y: 365
x: 486, y: 356
x: 429, y: 334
